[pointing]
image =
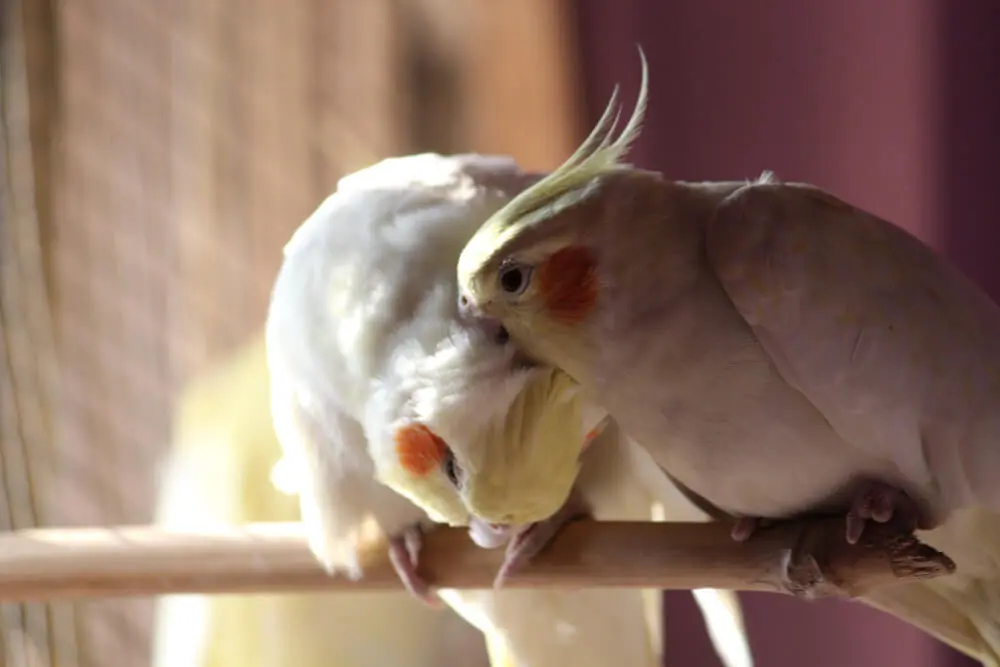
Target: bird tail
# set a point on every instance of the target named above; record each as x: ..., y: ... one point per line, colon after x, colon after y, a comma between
x: 962, y: 609
x: 967, y: 620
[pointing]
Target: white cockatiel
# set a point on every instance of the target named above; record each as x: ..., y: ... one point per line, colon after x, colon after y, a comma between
x: 777, y: 350
x: 373, y: 377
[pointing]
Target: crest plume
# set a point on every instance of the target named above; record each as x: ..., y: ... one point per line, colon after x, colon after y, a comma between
x: 600, y: 153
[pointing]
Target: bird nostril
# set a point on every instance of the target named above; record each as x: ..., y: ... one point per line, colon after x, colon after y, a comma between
x: 463, y: 301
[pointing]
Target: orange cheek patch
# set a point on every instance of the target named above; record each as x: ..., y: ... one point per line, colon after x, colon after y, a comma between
x: 419, y: 449
x: 568, y: 284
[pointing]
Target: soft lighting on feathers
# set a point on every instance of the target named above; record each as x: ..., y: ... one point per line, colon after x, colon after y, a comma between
x: 371, y: 268
x: 380, y: 255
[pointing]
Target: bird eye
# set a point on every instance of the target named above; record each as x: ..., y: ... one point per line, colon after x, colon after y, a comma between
x: 514, y: 278
x: 451, y: 469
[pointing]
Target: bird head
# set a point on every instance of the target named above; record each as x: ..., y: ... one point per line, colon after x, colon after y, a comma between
x: 483, y: 437
x: 529, y: 271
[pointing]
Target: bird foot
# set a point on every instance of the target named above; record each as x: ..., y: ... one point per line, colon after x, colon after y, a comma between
x: 532, y: 539
x: 873, y: 501
x: 801, y: 572
x: 877, y: 501
x: 404, y: 553
x: 801, y: 568
x: 746, y: 526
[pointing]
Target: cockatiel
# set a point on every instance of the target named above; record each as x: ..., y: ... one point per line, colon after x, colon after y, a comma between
x: 777, y: 350
x: 374, y: 379
x: 372, y: 372
x: 218, y: 473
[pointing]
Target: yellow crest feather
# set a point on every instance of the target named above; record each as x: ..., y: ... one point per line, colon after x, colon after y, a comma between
x: 567, y: 185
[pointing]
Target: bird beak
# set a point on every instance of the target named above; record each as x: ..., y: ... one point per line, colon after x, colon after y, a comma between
x: 492, y: 328
x: 475, y: 317
x: 489, y: 535
x: 468, y: 309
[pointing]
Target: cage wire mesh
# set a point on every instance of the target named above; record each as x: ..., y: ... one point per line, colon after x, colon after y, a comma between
x: 31, y: 635
x: 156, y: 157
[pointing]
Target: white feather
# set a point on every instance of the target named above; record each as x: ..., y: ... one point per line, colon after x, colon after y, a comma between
x: 362, y: 332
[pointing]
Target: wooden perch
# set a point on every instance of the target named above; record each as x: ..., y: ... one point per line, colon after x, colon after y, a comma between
x: 147, y: 560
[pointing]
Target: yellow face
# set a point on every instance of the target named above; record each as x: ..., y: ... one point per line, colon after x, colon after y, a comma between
x: 518, y: 469
x: 520, y: 488
x: 502, y: 281
x: 525, y: 253
x: 538, y: 299
x: 504, y: 300
x: 504, y: 489
x: 532, y: 463
x: 424, y: 471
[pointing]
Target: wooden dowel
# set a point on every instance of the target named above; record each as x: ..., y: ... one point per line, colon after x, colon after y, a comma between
x: 148, y: 560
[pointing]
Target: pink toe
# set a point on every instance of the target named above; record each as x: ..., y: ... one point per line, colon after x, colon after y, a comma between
x: 744, y: 528
x: 855, y: 527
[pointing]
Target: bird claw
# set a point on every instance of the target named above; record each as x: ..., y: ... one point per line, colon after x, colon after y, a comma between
x: 746, y: 526
x: 877, y: 501
x: 404, y: 553
x: 532, y: 539
x: 802, y: 574
x: 802, y: 568
x: 873, y: 501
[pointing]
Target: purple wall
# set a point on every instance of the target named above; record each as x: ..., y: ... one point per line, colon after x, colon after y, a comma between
x: 893, y: 105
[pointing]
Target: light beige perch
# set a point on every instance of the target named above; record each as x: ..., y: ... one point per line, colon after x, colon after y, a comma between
x: 142, y: 560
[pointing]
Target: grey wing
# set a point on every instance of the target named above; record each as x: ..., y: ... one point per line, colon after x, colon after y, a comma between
x: 898, y: 350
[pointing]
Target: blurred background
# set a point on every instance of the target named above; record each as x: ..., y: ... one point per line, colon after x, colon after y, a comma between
x: 158, y: 154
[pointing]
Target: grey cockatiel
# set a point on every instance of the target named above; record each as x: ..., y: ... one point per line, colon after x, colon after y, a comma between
x: 777, y: 350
